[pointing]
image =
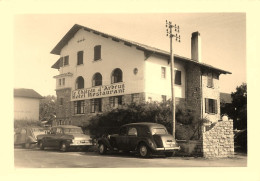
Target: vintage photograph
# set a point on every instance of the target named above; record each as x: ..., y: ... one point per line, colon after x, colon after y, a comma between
x: 139, y: 90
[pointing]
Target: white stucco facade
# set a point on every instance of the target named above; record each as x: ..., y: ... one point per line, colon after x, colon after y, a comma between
x: 113, y: 55
x: 26, y: 109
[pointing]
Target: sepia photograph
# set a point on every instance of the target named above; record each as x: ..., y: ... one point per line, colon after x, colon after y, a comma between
x: 102, y: 86
x: 139, y: 90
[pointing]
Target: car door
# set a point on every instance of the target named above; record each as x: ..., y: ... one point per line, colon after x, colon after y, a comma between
x: 121, y: 138
x: 22, y: 138
x: 49, y: 138
x: 131, y: 138
x: 57, y: 138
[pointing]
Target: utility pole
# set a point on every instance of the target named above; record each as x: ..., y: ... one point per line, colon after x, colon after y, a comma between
x: 169, y: 33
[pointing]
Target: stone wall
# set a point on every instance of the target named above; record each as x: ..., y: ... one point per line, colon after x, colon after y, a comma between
x: 219, y: 140
x: 193, y: 88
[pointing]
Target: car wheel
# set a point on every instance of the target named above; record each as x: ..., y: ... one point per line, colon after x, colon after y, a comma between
x: 41, y: 146
x: 27, y: 145
x: 168, y: 154
x: 144, y: 151
x: 102, y: 148
x: 63, y: 147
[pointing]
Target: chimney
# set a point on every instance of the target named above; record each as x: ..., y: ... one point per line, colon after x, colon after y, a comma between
x: 196, y: 46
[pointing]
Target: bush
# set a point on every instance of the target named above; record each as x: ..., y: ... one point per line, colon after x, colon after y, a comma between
x: 109, y: 122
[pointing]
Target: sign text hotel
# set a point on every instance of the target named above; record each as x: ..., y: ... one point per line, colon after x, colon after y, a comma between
x: 98, y: 92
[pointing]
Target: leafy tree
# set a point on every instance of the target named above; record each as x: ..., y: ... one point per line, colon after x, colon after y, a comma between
x: 237, y: 110
x: 239, y: 104
x: 47, y: 108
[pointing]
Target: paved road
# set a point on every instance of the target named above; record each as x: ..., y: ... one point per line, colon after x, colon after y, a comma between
x: 35, y: 158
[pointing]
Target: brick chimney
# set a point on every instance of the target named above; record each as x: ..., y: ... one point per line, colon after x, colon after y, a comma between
x: 196, y: 46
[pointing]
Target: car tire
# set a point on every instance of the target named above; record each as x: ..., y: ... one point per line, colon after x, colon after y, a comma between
x: 41, y: 146
x: 144, y: 151
x: 102, y: 149
x: 63, y: 147
x: 168, y: 154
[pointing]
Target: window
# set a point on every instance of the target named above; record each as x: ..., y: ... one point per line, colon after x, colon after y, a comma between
x: 177, y: 77
x: 61, y: 101
x: 66, y: 60
x: 210, y: 80
x: 164, y: 98
x: 97, y: 52
x: 63, y: 81
x: 61, y: 62
x: 135, y: 97
x: 96, y: 105
x: 211, y: 106
x: 115, y: 101
x: 163, y: 72
x: 97, y: 79
x: 59, y: 82
x: 80, y: 83
x: 80, y: 58
x: 79, y: 107
x: 117, y: 76
x: 132, y: 132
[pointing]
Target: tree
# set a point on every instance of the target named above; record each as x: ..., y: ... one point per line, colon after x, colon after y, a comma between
x: 47, y: 108
x: 237, y: 110
x: 239, y: 104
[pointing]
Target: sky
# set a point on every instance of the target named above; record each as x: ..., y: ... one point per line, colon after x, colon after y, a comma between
x: 223, y: 41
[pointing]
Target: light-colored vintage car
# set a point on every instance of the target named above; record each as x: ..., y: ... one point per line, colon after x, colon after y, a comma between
x: 27, y: 136
x: 65, y: 137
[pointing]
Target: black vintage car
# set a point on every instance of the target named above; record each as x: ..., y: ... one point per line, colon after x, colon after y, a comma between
x: 145, y: 138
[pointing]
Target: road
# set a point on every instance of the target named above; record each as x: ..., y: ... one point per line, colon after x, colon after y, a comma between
x: 35, y: 158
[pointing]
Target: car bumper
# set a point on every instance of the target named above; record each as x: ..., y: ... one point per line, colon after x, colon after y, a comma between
x: 80, y: 144
x: 168, y: 148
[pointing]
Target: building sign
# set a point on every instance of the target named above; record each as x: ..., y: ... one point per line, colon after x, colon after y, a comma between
x: 98, y: 92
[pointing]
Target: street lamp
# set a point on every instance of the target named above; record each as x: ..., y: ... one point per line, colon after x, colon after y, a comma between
x: 169, y: 33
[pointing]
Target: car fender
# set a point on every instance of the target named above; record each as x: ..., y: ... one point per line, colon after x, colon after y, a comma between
x: 146, y: 142
x: 105, y: 141
x: 31, y: 139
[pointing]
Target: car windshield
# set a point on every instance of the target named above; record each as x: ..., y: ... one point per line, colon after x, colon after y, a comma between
x: 73, y: 130
x: 159, y: 131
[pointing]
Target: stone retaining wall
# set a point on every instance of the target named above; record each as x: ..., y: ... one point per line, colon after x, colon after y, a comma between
x: 219, y: 140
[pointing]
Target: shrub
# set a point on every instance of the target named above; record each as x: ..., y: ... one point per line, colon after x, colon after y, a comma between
x: 109, y: 122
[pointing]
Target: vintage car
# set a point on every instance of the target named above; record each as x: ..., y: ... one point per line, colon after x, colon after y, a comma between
x: 65, y: 137
x: 27, y: 136
x: 145, y: 138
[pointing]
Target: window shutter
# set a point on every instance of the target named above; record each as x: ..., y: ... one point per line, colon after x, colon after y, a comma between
x: 80, y: 57
x: 97, y: 52
x: 215, y: 107
x: 61, y: 62
x: 206, y: 105
x: 177, y: 77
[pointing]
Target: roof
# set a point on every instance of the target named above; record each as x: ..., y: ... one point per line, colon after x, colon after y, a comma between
x: 225, y: 98
x: 149, y: 124
x: 57, y: 49
x: 28, y: 93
